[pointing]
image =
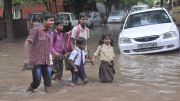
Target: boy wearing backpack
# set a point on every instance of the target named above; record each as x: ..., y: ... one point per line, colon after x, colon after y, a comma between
x: 80, y: 30
x: 57, y: 50
x: 77, y: 60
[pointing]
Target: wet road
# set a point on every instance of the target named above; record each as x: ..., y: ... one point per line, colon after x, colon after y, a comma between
x: 153, y: 77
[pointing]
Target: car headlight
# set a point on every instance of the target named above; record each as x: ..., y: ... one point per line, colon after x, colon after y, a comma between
x: 125, y: 41
x: 169, y: 35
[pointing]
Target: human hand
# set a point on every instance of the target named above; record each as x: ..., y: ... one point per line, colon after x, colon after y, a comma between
x: 57, y: 55
x: 27, y: 66
x: 92, y: 61
x: 75, y: 69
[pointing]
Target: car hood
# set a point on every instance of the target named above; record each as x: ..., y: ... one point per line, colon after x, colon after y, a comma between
x: 149, y: 30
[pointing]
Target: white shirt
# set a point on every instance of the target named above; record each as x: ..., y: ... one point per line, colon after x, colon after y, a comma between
x: 76, y: 56
x: 106, y: 52
x: 83, y: 32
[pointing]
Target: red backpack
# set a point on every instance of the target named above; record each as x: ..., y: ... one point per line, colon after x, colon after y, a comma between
x: 68, y: 47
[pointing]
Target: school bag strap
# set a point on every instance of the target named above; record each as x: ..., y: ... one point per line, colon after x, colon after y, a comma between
x: 78, y: 31
x: 76, y: 56
x: 68, y: 66
x: 55, y: 37
x: 68, y: 38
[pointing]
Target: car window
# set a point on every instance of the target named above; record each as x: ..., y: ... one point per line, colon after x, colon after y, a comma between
x: 95, y: 15
x: 115, y: 13
x: 30, y: 17
x: 37, y: 18
x: 98, y: 14
x: 91, y: 15
x: 147, y: 18
x: 73, y: 17
x: 63, y: 16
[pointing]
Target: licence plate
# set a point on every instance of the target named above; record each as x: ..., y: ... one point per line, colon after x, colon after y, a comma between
x: 147, y: 45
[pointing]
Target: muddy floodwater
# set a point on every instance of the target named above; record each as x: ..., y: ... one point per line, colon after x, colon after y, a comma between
x: 154, y: 77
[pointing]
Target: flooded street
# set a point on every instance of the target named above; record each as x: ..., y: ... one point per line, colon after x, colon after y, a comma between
x: 154, y: 77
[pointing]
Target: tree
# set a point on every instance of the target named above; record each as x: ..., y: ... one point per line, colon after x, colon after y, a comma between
x: 78, y: 5
x: 7, y: 15
x: 46, y: 3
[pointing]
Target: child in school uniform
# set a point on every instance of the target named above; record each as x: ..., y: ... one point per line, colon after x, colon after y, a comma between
x: 106, y: 53
x: 57, y: 49
x: 77, y: 60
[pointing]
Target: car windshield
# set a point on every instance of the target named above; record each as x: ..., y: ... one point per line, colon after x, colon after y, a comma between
x: 63, y: 16
x: 37, y: 18
x: 147, y: 18
x: 116, y: 13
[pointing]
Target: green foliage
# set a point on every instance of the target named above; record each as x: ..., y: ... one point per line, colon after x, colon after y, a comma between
x: 68, y: 2
x: 17, y: 2
x: 28, y: 2
x: 1, y: 3
x: 91, y: 1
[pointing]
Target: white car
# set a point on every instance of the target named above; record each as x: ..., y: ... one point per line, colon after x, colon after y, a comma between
x: 148, y: 31
x: 68, y: 18
x: 34, y: 20
x: 94, y: 19
x: 138, y: 8
x: 116, y: 16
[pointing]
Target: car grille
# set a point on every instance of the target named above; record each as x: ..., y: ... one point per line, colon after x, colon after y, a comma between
x: 147, y: 38
x: 147, y: 49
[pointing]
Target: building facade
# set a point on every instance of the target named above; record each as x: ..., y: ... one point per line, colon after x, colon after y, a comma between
x: 24, y: 11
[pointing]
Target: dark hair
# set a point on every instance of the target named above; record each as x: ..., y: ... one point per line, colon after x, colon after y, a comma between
x: 47, y: 15
x: 104, y: 36
x: 81, y: 15
x: 57, y: 22
x: 80, y: 40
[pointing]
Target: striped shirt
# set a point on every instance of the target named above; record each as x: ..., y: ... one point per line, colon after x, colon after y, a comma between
x: 40, y: 49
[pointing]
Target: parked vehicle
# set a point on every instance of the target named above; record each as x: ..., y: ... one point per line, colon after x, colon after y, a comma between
x: 116, y: 16
x: 148, y: 31
x: 68, y: 19
x: 34, y: 19
x: 94, y: 18
x: 138, y: 8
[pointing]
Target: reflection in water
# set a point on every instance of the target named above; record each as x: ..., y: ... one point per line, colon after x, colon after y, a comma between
x: 158, y: 72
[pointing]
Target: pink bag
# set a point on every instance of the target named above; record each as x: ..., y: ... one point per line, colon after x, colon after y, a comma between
x: 68, y: 47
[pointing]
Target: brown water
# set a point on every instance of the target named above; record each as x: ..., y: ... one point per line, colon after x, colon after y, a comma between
x: 153, y: 77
